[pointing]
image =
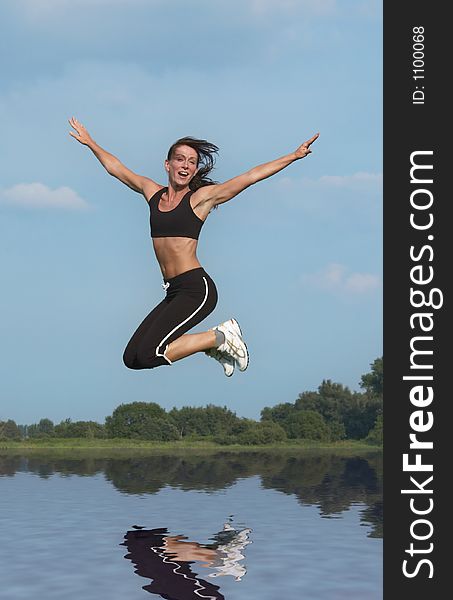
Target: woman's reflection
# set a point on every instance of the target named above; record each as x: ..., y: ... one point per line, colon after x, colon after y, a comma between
x: 167, y: 560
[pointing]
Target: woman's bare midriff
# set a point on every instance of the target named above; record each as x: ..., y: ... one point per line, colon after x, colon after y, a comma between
x: 176, y: 255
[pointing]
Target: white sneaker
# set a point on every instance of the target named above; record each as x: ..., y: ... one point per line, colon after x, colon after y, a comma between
x: 224, y: 359
x: 233, y: 346
x: 235, y: 325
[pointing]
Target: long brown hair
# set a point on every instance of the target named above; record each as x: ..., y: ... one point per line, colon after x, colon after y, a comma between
x: 206, y: 159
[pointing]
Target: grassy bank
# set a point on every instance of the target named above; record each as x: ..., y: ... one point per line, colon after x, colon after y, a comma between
x: 177, y: 446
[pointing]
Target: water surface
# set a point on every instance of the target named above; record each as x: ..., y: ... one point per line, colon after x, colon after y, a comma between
x: 239, y: 526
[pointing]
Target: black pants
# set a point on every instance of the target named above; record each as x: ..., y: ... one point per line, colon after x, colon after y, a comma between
x: 191, y: 297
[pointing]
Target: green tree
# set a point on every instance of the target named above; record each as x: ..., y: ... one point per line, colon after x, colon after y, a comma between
x: 337, y: 431
x: 141, y: 420
x: 79, y: 429
x: 264, y: 432
x: 45, y: 428
x: 157, y: 429
x: 376, y: 434
x: 278, y: 413
x: 360, y: 415
x: 9, y: 430
x: 307, y: 424
x: 23, y: 431
x: 62, y: 430
x: 373, y: 383
x: 348, y: 414
x: 331, y: 401
x: 242, y: 425
x: 203, y: 421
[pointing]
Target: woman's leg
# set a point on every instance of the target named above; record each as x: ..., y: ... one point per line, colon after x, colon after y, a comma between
x: 191, y: 297
x: 190, y: 343
x: 188, y: 309
x: 131, y: 353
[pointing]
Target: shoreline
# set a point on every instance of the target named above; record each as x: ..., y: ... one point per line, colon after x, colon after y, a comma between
x: 186, y: 445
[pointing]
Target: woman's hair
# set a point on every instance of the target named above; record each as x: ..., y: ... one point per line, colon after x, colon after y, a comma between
x: 206, y: 159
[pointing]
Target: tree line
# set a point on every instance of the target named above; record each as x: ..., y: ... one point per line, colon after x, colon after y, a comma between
x: 331, y: 413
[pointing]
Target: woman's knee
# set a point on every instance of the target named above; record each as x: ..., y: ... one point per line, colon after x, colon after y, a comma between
x: 144, y: 360
x: 129, y: 359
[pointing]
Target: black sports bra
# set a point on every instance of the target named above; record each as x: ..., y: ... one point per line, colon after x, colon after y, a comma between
x: 181, y: 221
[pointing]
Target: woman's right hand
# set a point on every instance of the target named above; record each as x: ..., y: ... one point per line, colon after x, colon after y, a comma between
x: 81, y: 134
x: 113, y: 166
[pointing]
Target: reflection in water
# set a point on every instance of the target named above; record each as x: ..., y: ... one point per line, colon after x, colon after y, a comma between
x: 305, y: 508
x: 167, y: 560
x: 328, y: 480
x: 229, y: 544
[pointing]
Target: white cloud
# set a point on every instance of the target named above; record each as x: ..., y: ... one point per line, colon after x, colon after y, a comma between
x: 358, y: 181
x: 370, y: 8
x: 360, y: 283
x: 337, y: 278
x: 38, y: 195
x: 335, y: 196
x: 41, y: 8
x: 318, y: 7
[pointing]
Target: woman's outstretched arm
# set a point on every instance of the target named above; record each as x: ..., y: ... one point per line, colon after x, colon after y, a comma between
x: 112, y: 164
x: 217, y: 194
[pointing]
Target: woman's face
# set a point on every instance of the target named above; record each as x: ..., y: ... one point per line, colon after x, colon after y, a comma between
x: 182, y: 165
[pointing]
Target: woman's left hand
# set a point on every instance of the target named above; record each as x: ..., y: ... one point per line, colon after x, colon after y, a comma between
x: 304, y: 149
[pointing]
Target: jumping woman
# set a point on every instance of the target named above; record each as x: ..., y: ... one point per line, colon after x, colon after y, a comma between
x: 177, y: 214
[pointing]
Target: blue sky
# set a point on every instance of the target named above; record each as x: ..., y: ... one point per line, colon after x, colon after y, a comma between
x: 297, y: 259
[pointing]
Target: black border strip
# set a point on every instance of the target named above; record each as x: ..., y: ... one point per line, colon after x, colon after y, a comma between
x: 416, y: 121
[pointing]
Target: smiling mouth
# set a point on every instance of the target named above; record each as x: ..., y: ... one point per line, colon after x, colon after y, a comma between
x: 183, y: 173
